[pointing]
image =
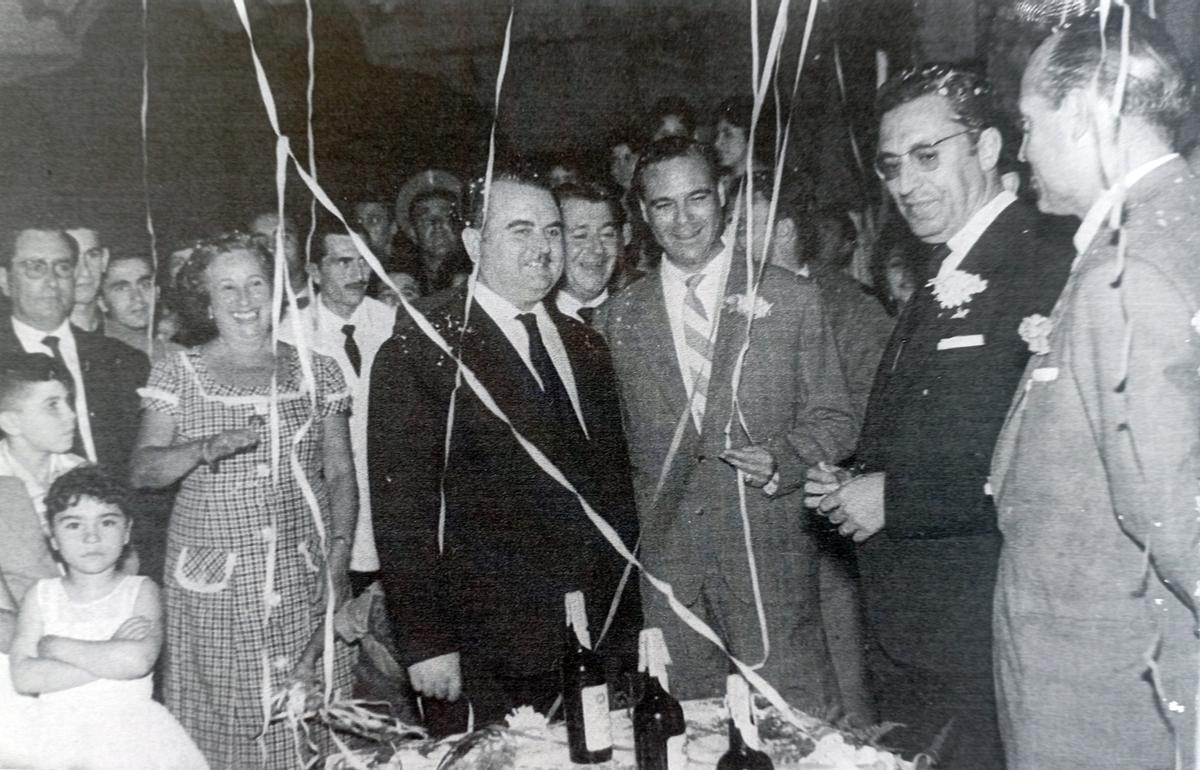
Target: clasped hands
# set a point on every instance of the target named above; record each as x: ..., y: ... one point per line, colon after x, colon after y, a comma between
x: 854, y: 503
x: 755, y: 462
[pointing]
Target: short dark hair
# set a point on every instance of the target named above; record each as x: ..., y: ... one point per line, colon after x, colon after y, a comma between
x: 1158, y: 87
x: 671, y: 105
x: 328, y: 224
x: 592, y: 192
x: 92, y: 481
x: 669, y: 148
x: 13, y: 228
x: 966, y: 91
x: 20, y: 370
x: 739, y: 111
x: 126, y: 256
x: 473, y: 216
x: 191, y: 290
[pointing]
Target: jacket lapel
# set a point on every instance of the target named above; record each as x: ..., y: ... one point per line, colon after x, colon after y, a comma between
x: 652, y: 331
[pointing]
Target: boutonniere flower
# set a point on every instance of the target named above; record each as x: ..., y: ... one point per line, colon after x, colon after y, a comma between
x: 526, y: 719
x: 741, y: 303
x: 955, y: 289
x: 1035, y: 330
x: 1196, y: 322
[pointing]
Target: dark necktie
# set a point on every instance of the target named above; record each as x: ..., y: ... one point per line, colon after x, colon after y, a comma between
x: 552, y: 385
x: 51, y: 341
x: 352, y: 351
x: 587, y: 314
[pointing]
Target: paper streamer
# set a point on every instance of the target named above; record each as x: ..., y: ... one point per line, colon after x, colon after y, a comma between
x: 144, y: 122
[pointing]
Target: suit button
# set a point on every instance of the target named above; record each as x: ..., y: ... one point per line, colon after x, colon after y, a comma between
x: 700, y: 459
x: 699, y: 512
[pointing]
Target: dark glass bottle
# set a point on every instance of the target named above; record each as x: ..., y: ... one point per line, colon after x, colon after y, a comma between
x: 585, y: 690
x: 658, y: 728
x: 744, y: 752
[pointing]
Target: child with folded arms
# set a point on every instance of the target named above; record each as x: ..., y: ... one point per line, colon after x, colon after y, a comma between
x: 86, y: 644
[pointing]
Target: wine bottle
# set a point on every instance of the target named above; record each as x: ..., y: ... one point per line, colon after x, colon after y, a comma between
x: 745, y: 752
x: 585, y: 691
x: 659, y: 730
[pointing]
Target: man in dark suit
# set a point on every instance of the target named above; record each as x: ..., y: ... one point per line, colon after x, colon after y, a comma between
x: 928, y: 528
x: 37, y: 274
x: 593, y: 220
x: 1096, y: 469
x: 676, y: 335
x: 477, y: 596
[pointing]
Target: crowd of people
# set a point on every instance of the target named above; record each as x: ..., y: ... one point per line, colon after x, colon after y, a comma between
x: 963, y: 501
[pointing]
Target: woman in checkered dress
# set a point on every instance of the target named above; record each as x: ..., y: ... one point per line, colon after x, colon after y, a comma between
x: 245, y: 567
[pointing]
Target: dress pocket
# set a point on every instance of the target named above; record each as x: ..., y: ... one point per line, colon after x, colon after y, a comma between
x: 204, y: 570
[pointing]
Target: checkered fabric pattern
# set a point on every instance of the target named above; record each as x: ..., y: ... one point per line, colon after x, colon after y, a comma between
x: 227, y: 521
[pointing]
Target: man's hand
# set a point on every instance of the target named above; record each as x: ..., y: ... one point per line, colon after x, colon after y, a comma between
x: 756, y: 462
x: 856, y: 506
x: 823, y: 479
x: 438, y: 677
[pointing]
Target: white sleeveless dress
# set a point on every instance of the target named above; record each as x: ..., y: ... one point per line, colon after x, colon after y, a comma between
x: 107, y: 724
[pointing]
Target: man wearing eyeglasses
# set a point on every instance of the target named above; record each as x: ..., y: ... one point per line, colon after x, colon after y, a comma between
x: 37, y: 274
x: 916, y: 499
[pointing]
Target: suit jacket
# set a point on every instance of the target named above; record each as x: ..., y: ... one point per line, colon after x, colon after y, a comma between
x: 1095, y: 477
x: 25, y: 555
x: 112, y: 373
x: 515, y: 540
x: 794, y: 401
x: 937, y: 404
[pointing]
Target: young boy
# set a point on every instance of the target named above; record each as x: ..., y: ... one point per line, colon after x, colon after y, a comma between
x: 37, y: 421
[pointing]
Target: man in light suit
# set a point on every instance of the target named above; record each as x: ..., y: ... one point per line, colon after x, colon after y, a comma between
x: 675, y: 336
x: 477, y: 604
x: 928, y: 529
x: 1097, y: 471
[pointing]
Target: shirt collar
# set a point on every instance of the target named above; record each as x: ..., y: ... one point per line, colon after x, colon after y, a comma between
x: 964, y: 240
x: 1094, y: 219
x: 29, y: 335
x: 328, y: 318
x: 570, y: 305
x: 499, y: 308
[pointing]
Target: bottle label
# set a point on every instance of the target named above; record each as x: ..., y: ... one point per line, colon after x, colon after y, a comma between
x: 597, y: 728
x: 676, y: 757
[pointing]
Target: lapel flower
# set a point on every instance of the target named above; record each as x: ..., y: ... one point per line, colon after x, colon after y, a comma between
x: 526, y: 718
x: 741, y: 303
x: 1196, y: 322
x: 1035, y: 330
x: 956, y: 288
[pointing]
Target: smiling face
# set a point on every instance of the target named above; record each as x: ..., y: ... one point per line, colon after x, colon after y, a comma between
x: 40, y: 281
x: 680, y: 202
x: 40, y: 416
x: 936, y: 203
x: 126, y: 292
x: 90, y: 535
x: 730, y: 145
x: 239, y: 295
x: 594, y: 241
x: 520, y: 251
x: 342, y: 275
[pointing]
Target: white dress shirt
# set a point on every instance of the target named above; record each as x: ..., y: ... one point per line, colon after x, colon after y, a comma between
x: 1094, y: 219
x: 964, y: 240
x: 60, y: 463
x: 709, y: 291
x: 373, y: 322
x: 31, y: 340
x: 568, y: 304
x: 505, y: 313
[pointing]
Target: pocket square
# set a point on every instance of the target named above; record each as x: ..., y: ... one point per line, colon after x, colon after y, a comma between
x: 961, y: 341
x: 1044, y: 374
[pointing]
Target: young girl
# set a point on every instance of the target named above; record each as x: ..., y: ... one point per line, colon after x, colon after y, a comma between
x: 85, y: 646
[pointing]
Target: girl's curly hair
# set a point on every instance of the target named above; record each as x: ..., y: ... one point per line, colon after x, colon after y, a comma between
x: 92, y: 481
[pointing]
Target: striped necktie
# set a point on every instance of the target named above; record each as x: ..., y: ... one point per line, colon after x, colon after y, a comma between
x: 698, y: 363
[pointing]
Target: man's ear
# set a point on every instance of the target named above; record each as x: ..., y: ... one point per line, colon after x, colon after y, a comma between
x: 104, y: 308
x: 1080, y: 110
x: 314, y: 272
x: 104, y: 260
x: 645, y: 213
x: 471, y: 239
x: 987, y: 148
x: 4, y: 281
x: 8, y: 423
x: 626, y: 234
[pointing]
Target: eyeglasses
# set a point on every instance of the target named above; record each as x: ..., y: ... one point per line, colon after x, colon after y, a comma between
x: 888, y: 165
x: 36, y: 269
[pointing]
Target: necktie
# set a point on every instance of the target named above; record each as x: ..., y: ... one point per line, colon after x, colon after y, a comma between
x: 552, y: 385
x: 51, y: 341
x: 352, y: 352
x: 587, y: 314
x: 696, y: 328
